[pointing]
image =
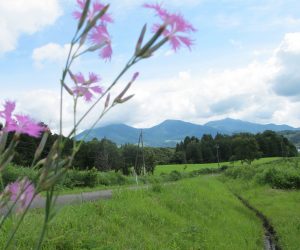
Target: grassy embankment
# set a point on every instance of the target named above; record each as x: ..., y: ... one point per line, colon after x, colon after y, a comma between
x: 260, y: 185
x: 192, y: 167
x: 198, y: 213
x: 160, y: 175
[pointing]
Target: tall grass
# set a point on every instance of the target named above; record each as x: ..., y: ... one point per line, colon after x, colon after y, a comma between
x: 196, y: 213
x: 192, y: 167
x: 281, y: 207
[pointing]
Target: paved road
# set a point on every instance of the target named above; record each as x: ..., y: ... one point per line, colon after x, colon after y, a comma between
x: 69, y: 199
x: 39, y: 202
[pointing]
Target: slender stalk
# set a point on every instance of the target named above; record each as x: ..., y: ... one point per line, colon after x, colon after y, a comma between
x: 46, y: 218
x: 94, y: 124
x: 19, y: 223
x: 75, y: 120
x: 13, y: 205
x: 130, y: 63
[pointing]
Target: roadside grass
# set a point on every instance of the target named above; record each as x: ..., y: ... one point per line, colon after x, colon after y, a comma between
x: 192, y: 167
x: 197, y: 213
x: 160, y: 170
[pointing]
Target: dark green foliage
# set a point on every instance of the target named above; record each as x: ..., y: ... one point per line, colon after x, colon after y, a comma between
x: 282, y: 174
x: 13, y: 173
x: 173, y: 176
x: 242, y: 146
x: 245, y: 148
x: 283, y: 178
x: 75, y: 178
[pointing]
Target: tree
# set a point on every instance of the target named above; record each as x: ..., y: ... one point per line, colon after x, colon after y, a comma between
x: 246, y: 148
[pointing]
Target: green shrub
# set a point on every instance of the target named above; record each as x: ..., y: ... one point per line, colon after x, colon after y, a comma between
x: 282, y: 178
x: 283, y: 174
x: 13, y: 172
x: 173, y: 176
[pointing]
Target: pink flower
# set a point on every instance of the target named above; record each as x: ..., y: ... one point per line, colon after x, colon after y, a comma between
x: 25, y: 125
x: 86, y: 88
x: 21, y: 192
x: 177, y: 28
x: 9, y: 107
x: 78, y: 78
x: 100, y: 36
x: 19, y: 123
x: 97, y: 7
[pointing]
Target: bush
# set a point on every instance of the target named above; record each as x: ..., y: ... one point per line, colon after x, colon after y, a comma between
x: 173, y: 176
x: 13, y: 172
x: 283, y: 174
x: 282, y: 178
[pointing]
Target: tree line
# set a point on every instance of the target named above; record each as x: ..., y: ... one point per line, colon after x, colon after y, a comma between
x: 105, y: 155
x: 241, y: 146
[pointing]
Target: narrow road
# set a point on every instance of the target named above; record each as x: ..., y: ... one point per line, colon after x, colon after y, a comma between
x: 39, y: 202
x: 69, y: 199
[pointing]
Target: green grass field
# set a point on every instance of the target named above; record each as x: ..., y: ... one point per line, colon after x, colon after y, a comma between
x: 191, y: 167
x: 281, y: 207
x: 193, y: 213
x: 198, y: 213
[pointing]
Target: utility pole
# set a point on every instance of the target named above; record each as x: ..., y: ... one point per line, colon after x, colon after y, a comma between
x: 140, y: 142
x: 217, y: 146
x: 143, y: 156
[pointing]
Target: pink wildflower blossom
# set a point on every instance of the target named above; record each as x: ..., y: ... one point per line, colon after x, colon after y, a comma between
x: 21, y: 192
x: 97, y: 7
x: 78, y: 78
x: 177, y: 28
x: 86, y: 88
x: 100, y: 36
x: 9, y: 107
x: 25, y: 125
x: 19, y: 123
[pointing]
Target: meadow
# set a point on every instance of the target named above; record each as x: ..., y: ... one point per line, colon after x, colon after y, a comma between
x: 193, y: 167
x: 192, y: 211
x: 198, y: 213
x: 281, y: 207
x: 273, y: 189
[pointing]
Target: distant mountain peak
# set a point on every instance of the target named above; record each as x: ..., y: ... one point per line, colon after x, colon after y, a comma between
x: 171, y: 131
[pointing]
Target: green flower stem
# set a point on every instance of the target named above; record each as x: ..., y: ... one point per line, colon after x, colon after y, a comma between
x: 19, y: 223
x: 130, y: 63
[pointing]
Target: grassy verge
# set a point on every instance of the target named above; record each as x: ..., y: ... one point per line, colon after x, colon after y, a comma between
x: 192, y: 167
x: 281, y: 207
x: 196, y: 213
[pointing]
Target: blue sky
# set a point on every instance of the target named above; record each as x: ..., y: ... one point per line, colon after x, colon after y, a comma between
x: 244, y: 63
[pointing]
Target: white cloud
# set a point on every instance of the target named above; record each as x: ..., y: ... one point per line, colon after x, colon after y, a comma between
x: 19, y: 17
x: 51, y: 52
x: 244, y: 93
x: 287, y: 58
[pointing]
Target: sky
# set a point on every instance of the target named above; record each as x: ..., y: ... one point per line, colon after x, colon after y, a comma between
x: 244, y: 63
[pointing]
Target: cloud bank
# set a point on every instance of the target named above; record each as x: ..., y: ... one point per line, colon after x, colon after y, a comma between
x: 19, y: 17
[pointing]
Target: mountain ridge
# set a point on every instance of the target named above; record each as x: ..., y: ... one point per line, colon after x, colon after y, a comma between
x: 170, y: 132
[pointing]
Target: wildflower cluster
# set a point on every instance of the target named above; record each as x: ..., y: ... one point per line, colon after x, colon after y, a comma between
x: 91, y: 36
x: 20, y: 124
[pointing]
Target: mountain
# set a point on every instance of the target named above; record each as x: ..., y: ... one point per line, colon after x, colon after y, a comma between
x: 166, y: 134
x: 169, y: 132
x: 230, y: 126
x: 118, y: 133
